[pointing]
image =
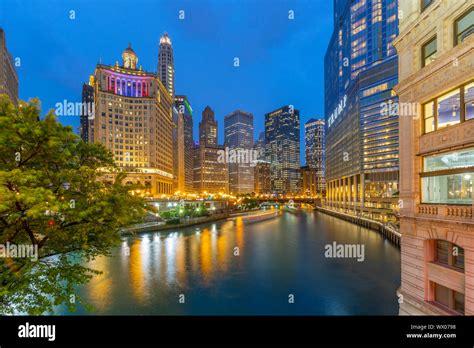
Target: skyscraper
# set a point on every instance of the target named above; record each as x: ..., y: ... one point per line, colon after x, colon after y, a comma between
x: 436, y: 157
x: 178, y: 151
x: 259, y: 146
x: 309, y: 182
x: 8, y: 76
x: 238, y: 130
x: 133, y: 119
x: 210, y: 169
x: 183, y: 107
x: 315, y: 152
x: 262, y: 182
x: 282, y: 149
x: 87, y: 109
x: 208, y: 128
x: 166, y: 64
x: 361, y: 69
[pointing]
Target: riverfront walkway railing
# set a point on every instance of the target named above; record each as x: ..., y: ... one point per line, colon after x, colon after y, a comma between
x: 387, y: 231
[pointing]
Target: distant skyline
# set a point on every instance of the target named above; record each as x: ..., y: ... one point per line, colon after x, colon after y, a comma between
x: 281, y: 60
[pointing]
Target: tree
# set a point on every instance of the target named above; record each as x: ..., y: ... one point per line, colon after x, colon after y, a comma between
x: 54, y: 197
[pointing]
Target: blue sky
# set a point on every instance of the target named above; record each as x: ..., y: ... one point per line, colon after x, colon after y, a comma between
x: 281, y: 60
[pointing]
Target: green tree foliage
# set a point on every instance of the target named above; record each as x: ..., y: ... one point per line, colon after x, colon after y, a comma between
x: 184, y: 211
x: 249, y: 202
x: 53, y: 197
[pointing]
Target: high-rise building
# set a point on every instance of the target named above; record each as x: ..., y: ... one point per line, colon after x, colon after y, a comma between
x: 166, y: 64
x: 262, y: 182
x: 259, y: 147
x: 178, y: 151
x: 8, y: 76
x: 309, y: 182
x: 436, y: 52
x: 238, y: 131
x: 208, y: 128
x: 361, y: 69
x: 183, y: 107
x: 87, y: 109
x: 210, y: 167
x: 133, y: 119
x: 315, y: 153
x: 282, y: 149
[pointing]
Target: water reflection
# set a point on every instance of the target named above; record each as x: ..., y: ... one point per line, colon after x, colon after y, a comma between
x: 146, y: 274
x: 100, y: 287
x: 136, y: 271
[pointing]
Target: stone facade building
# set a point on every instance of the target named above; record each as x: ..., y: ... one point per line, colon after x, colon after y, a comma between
x: 436, y: 82
x: 133, y: 119
x: 8, y: 76
x: 210, y: 173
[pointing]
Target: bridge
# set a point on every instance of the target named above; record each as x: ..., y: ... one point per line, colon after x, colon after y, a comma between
x: 167, y: 203
x: 164, y: 204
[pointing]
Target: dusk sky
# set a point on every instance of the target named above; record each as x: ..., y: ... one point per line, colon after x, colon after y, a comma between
x: 281, y: 60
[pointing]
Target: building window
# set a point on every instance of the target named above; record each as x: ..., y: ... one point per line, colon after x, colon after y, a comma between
x: 425, y: 4
x: 449, y: 254
x: 449, y: 109
x: 449, y: 298
x: 428, y: 52
x: 449, y: 160
x: 447, y: 178
x: 469, y: 101
x: 464, y: 27
x: 448, y: 189
x: 428, y: 110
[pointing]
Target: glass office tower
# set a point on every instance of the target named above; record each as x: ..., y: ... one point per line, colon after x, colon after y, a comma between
x: 282, y: 148
x: 238, y: 131
x: 315, y: 152
x: 361, y: 110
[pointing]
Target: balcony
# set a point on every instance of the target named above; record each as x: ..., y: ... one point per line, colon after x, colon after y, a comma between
x: 445, y: 212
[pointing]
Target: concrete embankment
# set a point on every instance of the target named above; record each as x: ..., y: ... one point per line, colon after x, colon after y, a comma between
x: 155, y: 227
x: 388, y: 232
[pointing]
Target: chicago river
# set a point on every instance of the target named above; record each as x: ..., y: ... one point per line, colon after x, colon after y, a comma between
x: 273, y: 267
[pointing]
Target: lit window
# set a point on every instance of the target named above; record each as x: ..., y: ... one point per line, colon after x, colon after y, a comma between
x: 391, y: 19
x: 448, y: 189
x: 454, y: 184
x: 464, y: 26
x: 429, y: 51
x: 449, y: 109
x: 449, y: 160
x: 428, y: 110
x: 469, y: 101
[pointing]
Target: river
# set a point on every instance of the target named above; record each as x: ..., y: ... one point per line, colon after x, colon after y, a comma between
x: 273, y: 267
